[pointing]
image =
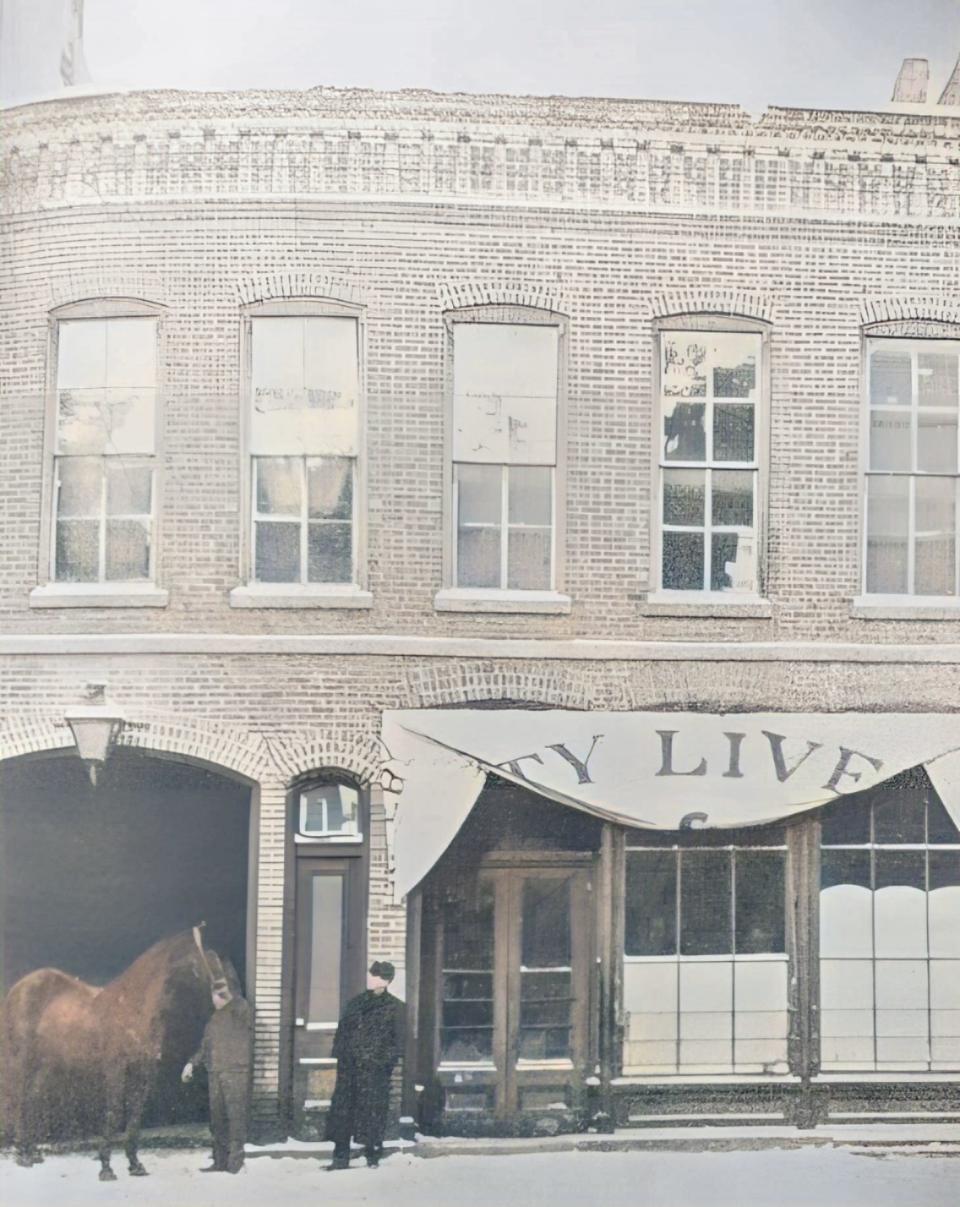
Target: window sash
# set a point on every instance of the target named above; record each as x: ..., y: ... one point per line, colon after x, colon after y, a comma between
x: 102, y: 517
x: 503, y: 525
x: 913, y: 474
x: 302, y: 519
x: 710, y: 464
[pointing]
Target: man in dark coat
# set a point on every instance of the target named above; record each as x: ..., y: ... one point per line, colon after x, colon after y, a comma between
x: 367, y: 1047
x: 227, y: 1054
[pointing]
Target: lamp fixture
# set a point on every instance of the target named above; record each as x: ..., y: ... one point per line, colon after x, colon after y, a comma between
x: 95, y: 726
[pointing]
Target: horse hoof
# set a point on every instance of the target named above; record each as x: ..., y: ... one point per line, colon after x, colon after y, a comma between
x: 24, y: 1160
x: 137, y: 1171
x: 107, y: 1175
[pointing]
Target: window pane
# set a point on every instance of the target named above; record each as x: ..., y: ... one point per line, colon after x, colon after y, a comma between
x: 733, y: 565
x: 684, y: 365
x: 528, y: 559
x: 937, y: 442
x: 330, y: 488
x: 684, y: 493
x: 101, y: 420
x: 733, y: 432
x: 906, y: 868
x: 683, y: 561
x: 940, y: 826
x: 937, y: 379
x: 530, y: 495
x: 326, y: 919
x: 847, y: 821
x: 278, y: 485
x: 505, y: 393
x: 79, y: 484
x: 277, y: 557
x: 467, y: 1007
x: 330, y: 553
x: 844, y: 867
x: 890, y: 378
x: 78, y: 551
x: 329, y: 809
x: 734, y: 365
x: 479, y: 496
x: 705, y: 902
x: 733, y: 498
x: 128, y: 550
x: 546, y: 922
x: 651, y: 907
x: 81, y: 354
x: 684, y: 431
x: 935, y: 551
x: 479, y: 490
x: 129, y: 488
x: 760, y: 902
x: 131, y: 353
x: 898, y: 814
x: 889, y: 439
x: 944, y: 870
x: 887, y: 534
x: 305, y: 385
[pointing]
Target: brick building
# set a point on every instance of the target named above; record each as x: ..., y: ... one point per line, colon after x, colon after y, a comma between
x: 323, y: 407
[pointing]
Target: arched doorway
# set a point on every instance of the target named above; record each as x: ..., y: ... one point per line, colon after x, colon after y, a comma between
x: 90, y: 877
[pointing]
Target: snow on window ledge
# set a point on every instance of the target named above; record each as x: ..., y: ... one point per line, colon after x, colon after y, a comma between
x: 99, y: 595
x: 296, y: 595
x: 479, y: 599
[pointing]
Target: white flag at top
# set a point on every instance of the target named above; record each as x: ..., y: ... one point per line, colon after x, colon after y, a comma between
x: 41, y: 49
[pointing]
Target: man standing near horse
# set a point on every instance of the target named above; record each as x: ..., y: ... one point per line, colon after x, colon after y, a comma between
x: 367, y: 1046
x: 226, y: 1052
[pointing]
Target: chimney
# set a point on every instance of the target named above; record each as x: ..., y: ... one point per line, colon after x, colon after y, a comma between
x: 951, y: 93
x: 911, y: 85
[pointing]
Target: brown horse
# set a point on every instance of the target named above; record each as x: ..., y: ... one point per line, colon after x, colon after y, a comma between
x: 73, y: 1051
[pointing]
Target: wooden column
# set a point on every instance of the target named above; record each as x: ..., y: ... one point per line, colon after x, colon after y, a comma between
x: 411, y: 1045
x: 803, y: 929
x: 610, y: 907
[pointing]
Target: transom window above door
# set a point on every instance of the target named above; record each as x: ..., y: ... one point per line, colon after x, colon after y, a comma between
x: 304, y: 441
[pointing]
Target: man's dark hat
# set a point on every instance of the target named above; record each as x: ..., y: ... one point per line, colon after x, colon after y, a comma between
x: 383, y: 969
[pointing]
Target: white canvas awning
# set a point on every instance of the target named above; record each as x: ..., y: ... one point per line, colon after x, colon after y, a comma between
x: 654, y: 770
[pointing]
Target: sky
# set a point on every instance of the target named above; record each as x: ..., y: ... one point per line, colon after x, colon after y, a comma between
x: 809, y: 53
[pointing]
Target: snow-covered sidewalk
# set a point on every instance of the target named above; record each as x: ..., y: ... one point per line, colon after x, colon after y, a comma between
x: 808, y: 1177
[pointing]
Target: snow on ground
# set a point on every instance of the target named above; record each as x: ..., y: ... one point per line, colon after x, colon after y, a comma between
x: 808, y: 1177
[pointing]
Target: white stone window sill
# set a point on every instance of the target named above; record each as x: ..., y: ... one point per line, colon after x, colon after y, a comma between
x: 702, y: 603
x: 293, y: 595
x: 99, y: 595
x: 477, y: 599
x: 905, y: 607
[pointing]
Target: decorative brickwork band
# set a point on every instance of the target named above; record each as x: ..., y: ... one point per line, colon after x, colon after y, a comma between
x: 83, y: 286
x: 468, y: 682
x: 916, y: 316
x: 462, y: 295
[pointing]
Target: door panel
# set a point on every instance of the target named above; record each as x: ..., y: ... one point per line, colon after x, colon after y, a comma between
x: 513, y: 999
x: 329, y: 964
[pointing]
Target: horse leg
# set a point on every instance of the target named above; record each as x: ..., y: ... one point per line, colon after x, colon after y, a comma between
x: 27, y: 1112
x: 113, y: 1099
x: 136, y: 1100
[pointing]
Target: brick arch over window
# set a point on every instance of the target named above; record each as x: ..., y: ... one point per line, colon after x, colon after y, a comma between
x: 273, y: 286
x: 894, y: 310
x: 465, y: 295
x: 730, y: 302
x: 216, y: 749
x: 359, y: 758
x: 97, y: 286
x: 465, y: 683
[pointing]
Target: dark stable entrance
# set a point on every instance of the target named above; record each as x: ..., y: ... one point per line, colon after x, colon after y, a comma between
x: 92, y: 877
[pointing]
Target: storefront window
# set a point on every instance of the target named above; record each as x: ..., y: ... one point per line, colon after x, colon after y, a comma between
x: 466, y: 1032
x: 705, y: 976
x: 889, y: 933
